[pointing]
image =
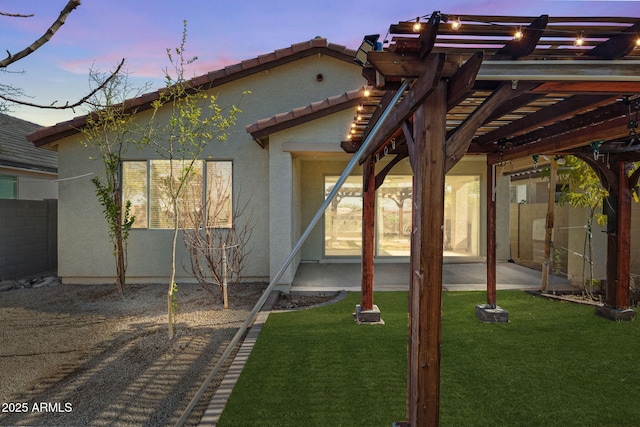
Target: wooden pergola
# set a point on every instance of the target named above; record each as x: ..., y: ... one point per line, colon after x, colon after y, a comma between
x: 506, y: 87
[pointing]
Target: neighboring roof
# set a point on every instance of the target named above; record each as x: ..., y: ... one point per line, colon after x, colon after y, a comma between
x: 262, y: 128
x: 212, y: 79
x: 16, y: 152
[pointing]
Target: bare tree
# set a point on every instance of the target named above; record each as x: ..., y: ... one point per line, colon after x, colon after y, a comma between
x: 217, y: 238
x: 10, y: 94
x: 183, y: 122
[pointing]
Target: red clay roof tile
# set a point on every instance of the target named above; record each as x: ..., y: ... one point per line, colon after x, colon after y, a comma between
x: 281, y: 121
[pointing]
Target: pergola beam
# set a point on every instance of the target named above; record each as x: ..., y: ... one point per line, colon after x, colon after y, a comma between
x: 517, y: 48
x: 395, y: 65
x: 567, y: 141
x: 573, y: 105
x: 422, y: 87
x: 561, y: 70
x: 458, y: 143
x: 461, y: 83
x: 617, y: 46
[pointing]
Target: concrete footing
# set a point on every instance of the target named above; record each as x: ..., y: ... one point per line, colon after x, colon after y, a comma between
x: 615, y: 314
x: 488, y: 313
x: 368, y: 317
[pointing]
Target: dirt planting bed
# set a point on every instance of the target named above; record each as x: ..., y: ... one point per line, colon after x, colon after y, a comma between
x: 76, y: 355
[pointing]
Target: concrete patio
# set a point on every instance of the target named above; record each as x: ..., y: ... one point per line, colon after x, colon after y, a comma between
x: 333, y: 277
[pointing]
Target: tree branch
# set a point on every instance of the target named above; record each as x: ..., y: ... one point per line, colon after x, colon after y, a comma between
x: 83, y: 100
x: 16, y: 15
x: 10, y: 59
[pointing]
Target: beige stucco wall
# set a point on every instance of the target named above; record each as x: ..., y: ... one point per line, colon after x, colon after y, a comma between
x: 85, y: 254
x: 287, y: 150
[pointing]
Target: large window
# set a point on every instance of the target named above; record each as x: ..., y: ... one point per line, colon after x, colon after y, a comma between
x: 343, y: 218
x: 207, y: 189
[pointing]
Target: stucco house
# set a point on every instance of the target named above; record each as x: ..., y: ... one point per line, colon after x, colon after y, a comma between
x: 285, y: 152
x: 26, y: 172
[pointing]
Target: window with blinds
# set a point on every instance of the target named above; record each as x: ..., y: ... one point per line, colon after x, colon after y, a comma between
x: 207, y: 188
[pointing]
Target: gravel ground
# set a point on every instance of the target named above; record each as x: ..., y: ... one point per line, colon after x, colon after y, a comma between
x: 77, y: 355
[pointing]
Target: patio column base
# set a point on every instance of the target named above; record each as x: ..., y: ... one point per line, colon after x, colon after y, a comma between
x: 368, y: 317
x: 487, y: 313
x: 615, y: 314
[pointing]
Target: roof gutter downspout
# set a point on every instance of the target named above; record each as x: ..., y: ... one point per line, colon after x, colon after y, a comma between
x: 254, y: 312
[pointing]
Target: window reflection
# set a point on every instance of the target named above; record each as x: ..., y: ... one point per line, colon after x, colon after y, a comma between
x: 343, y: 218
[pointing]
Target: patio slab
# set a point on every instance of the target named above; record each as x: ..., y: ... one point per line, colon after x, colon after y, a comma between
x: 334, y: 277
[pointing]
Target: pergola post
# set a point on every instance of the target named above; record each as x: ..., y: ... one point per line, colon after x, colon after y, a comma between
x: 368, y: 238
x: 426, y: 251
x: 366, y: 311
x: 491, y: 237
x: 619, y: 251
x: 491, y: 312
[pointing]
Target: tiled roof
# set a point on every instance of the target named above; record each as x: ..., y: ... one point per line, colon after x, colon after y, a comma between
x: 282, y: 121
x: 15, y: 151
x: 214, y: 78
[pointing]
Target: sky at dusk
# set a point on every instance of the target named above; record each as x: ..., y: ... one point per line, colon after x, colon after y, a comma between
x: 98, y: 34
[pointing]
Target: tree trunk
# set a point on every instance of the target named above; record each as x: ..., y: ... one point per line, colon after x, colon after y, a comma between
x: 548, y: 235
x: 120, y: 256
x: 172, y: 278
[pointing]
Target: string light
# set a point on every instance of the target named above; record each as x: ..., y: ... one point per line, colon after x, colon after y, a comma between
x: 518, y: 34
x: 638, y: 42
x: 360, y: 107
x: 417, y: 26
x: 456, y: 24
x: 367, y: 92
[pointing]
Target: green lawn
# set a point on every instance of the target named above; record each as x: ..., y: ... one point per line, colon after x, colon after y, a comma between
x: 552, y: 364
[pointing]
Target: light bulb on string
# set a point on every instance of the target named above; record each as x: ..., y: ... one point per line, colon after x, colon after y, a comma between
x: 417, y: 26
x: 456, y: 24
x: 580, y: 40
x: 518, y: 34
